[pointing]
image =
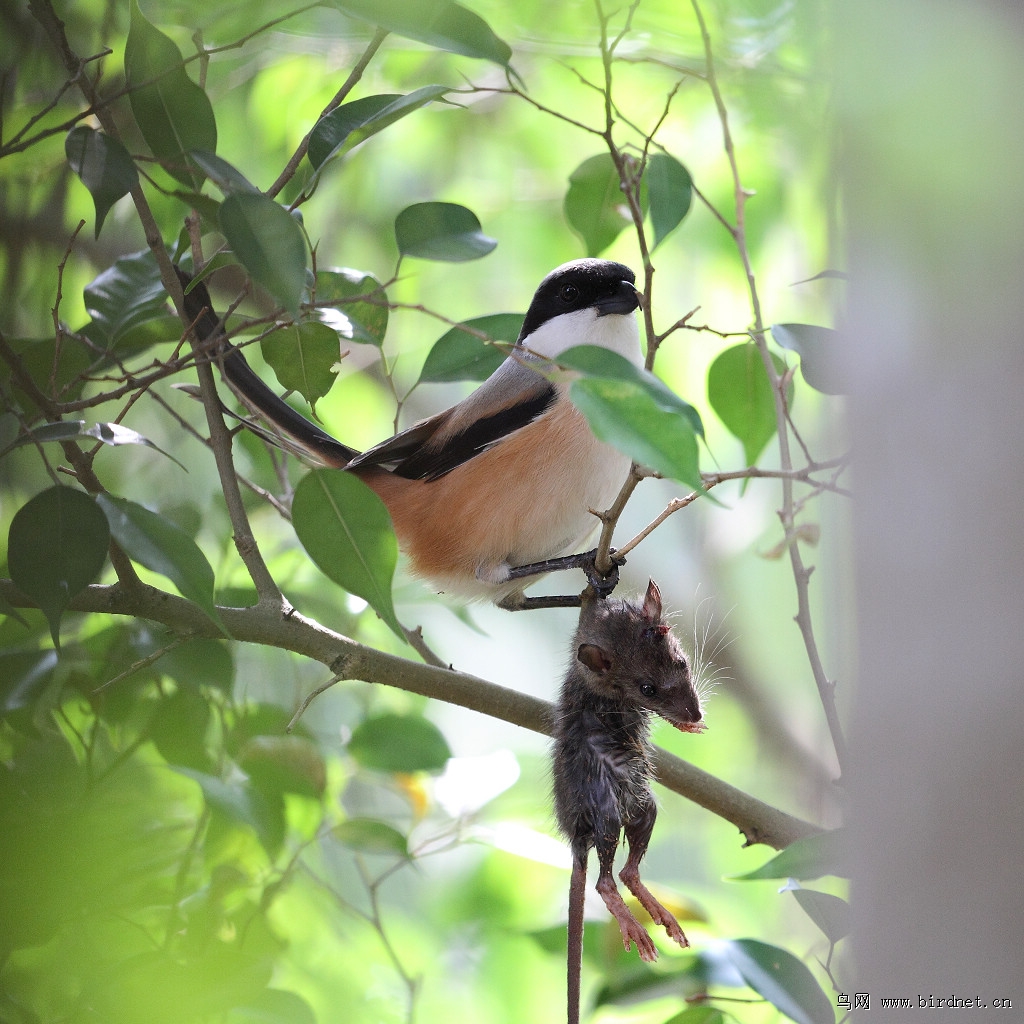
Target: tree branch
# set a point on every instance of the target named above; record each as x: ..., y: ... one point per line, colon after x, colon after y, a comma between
x: 262, y: 624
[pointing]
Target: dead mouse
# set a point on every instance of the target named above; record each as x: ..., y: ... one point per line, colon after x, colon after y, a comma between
x: 626, y: 665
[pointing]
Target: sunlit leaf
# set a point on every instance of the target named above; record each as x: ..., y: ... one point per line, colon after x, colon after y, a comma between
x: 269, y: 243
x: 56, y: 547
x: 671, y: 192
x: 830, y: 913
x: 285, y: 764
x: 346, y: 530
x: 460, y: 355
x: 441, y: 231
x: 741, y: 394
x: 104, y: 165
x: 816, y: 347
x: 625, y: 415
x: 172, y: 112
x: 113, y: 434
x: 163, y: 547
x: 440, y: 23
x: 369, y: 836
x: 347, y: 126
x: 810, y: 857
x: 303, y: 357
x: 783, y: 980
x: 361, y: 320
x: 399, y: 743
x: 595, y: 205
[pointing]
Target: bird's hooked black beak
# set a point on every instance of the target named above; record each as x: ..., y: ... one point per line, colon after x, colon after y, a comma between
x: 623, y: 299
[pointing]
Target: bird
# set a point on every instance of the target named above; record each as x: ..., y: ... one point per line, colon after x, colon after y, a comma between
x: 504, y: 485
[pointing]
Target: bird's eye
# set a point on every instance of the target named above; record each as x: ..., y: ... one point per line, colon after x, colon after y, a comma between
x: 569, y: 293
x: 648, y: 689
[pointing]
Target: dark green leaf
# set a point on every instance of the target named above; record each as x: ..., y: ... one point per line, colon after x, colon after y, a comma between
x: 104, y: 165
x: 24, y: 677
x: 810, y: 857
x: 240, y: 803
x: 42, y: 359
x: 399, y: 743
x: 172, y: 112
x: 816, y: 347
x: 67, y: 430
x: 595, y: 206
x: 178, y: 729
x: 346, y: 530
x: 460, y: 355
x: 56, y: 546
x: 441, y: 231
x: 347, y: 126
x: 369, y: 836
x: 198, y: 663
x: 782, y: 979
x: 224, y: 175
x: 285, y: 764
x: 440, y: 23
x: 125, y: 296
x: 304, y: 356
x: 741, y: 394
x: 671, y: 191
x: 595, y: 361
x: 830, y: 913
x: 269, y: 243
x: 624, y: 414
x: 163, y: 547
x: 360, y: 320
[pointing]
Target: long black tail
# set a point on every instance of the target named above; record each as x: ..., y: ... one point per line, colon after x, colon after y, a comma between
x: 574, y: 960
x: 289, y: 429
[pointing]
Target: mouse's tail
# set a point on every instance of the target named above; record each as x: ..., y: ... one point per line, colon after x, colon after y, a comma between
x: 285, y: 428
x: 574, y: 957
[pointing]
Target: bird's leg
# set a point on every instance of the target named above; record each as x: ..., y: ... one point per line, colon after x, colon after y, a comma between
x: 585, y: 560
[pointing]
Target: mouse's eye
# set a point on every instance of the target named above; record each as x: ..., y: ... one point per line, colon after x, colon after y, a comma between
x: 569, y: 293
x: 648, y: 689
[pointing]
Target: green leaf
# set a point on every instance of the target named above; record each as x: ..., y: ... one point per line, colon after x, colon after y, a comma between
x: 810, y: 857
x: 269, y: 243
x: 783, y: 980
x: 24, y: 677
x: 225, y: 176
x: 285, y: 764
x: 623, y: 414
x: 104, y: 165
x: 200, y: 662
x: 125, y: 296
x: 595, y: 206
x: 303, y: 356
x: 339, y: 305
x: 56, y: 547
x: 272, y: 1006
x: 741, y: 394
x: 698, y: 1015
x: 347, y: 126
x: 439, y: 23
x: 399, y: 743
x: 178, y: 729
x: 595, y: 361
x: 817, y: 347
x: 67, y: 430
x: 459, y: 355
x: 670, y: 188
x: 240, y: 803
x: 369, y: 836
x: 830, y: 913
x: 441, y: 231
x: 346, y: 530
x: 163, y: 547
x: 172, y: 112
x: 43, y: 359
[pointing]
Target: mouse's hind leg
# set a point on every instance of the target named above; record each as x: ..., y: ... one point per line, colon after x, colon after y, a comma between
x: 632, y: 930
x: 638, y: 834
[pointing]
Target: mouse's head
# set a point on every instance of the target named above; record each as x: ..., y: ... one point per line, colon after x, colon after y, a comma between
x: 626, y: 651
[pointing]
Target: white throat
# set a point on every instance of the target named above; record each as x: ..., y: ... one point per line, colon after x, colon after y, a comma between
x: 615, y: 331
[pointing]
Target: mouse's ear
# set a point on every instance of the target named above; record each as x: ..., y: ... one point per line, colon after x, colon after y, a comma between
x: 594, y: 657
x: 652, y: 602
